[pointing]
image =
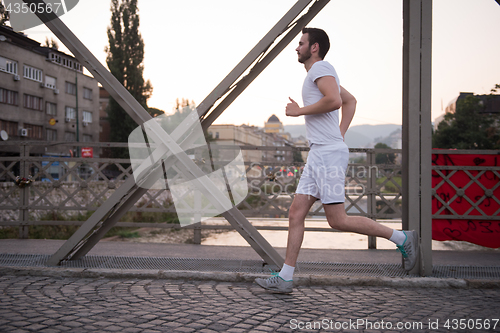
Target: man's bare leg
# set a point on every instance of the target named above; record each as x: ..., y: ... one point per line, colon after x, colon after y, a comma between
x: 296, y: 217
x: 407, y: 241
x: 282, y: 282
x: 338, y: 219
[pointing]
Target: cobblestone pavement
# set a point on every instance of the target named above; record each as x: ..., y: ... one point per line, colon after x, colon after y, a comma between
x: 47, y: 304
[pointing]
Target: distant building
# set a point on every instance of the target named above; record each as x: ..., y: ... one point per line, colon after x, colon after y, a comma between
x: 237, y: 136
x: 489, y: 104
x: 253, y: 136
x: 44, y: 96
x: 280, y: 156
x: 273, y: 125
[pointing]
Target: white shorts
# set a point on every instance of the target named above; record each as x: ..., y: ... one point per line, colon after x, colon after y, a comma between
x: 324, y: 174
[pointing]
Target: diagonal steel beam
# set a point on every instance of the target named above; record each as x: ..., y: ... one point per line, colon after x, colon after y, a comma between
x: 129, y: 191
x: 294, y: 30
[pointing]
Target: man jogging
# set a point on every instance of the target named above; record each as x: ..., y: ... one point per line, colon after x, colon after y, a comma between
x: 324, y: 174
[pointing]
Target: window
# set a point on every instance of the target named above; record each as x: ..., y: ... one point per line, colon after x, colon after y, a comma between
x: 33, y: 73
x: 55, y: 58
x: 65, y: 62
x: 33, y: 102
x: 216, y: 135
x: 70, y: 88
x: 87, y: 116
x: 51, y: 135
x: 70, y: 113
x: 7, y: 65
x: 87, y: 93
x: 50, y: 82
x: 69, y: 136
x: 51, y: 109
x: 11, y: 127
x: 9, y: 97
x: 87, y: 138
x: 34, y: 131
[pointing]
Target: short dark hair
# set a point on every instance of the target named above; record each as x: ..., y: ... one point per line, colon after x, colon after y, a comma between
x: 318, y: 36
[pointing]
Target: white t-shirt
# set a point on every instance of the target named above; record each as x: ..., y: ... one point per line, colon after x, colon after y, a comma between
x: 321, y: 128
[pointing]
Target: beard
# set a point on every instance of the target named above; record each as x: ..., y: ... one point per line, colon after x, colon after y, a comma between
x: 304, y: 56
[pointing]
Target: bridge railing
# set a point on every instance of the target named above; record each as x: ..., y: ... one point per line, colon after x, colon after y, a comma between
x: 41, y: 189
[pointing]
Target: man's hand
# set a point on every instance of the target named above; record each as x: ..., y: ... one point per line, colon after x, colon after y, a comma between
x: 292, y: 108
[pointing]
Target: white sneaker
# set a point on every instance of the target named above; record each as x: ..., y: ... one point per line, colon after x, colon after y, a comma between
x: 409, y: 249
x: 276, y: 284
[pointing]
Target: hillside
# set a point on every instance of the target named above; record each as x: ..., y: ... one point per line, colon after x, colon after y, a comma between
x: 360, y: 136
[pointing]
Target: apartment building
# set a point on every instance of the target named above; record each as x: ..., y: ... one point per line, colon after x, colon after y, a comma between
x: 44, y: 96
x: 237, y: 136
x: 254, y: 136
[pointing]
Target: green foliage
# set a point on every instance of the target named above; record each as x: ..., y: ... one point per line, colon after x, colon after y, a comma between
x: 381, y: 206
x: 297, y: 156
x: 128, y: 234
x: 359, y: 160
x: 41, y: 232
x: 389, y: 186
x: 181, y: 110
x: 125, y: 56
x: 254, y: 201
x: 65, y: 231
x: 154, y: 112
x: 51, y: 43
x: 384, y: 158
x: 467, y: 128
x: 9, y: 232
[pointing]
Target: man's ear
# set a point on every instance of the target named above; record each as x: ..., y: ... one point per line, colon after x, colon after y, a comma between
x: 315, y: 47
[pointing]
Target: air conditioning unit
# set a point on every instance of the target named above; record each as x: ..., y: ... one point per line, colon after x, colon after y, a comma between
x: 17, y: 77
x: 67, y: 120
x: 42, y: 84
x: 85, y: 123
x: 23, y: 132
x: 56, y: 91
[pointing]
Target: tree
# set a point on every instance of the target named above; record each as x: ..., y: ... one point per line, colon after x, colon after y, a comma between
x: 52, y: 43
x: 154, y: 112
x: 125, y: 56
x: 4, y: 14
x: 467, y: 128
x: 297, y: 156
x: 384, y: 158
x: 184, y: 105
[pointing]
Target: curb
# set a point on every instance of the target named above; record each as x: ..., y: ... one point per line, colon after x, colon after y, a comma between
x: 299, y: 279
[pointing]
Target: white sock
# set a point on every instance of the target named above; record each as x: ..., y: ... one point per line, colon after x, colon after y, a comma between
x: 398, y: 237
x: 286, y: 272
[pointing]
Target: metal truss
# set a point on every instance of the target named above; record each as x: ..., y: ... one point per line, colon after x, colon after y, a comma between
x: 108, y: 214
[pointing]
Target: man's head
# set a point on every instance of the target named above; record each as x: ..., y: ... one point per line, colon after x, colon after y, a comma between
x: 317, y: 42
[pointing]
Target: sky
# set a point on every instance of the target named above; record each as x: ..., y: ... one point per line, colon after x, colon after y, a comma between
x: 190, y: 46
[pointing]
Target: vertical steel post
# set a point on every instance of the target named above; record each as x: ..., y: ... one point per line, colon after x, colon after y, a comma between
x: 371, y: 192
x: 417, y: 52
x: 197, y: 226
x: 77, y: 115
x: 24, y: 194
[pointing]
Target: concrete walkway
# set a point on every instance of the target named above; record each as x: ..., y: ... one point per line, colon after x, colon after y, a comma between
x: 64, y: 299
x: 55, y: 304
x: 40, y: 246
x: 231, y: 263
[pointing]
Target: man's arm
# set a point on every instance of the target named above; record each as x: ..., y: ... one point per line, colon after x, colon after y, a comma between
x: 348, y: 109
x: 330, y: 101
